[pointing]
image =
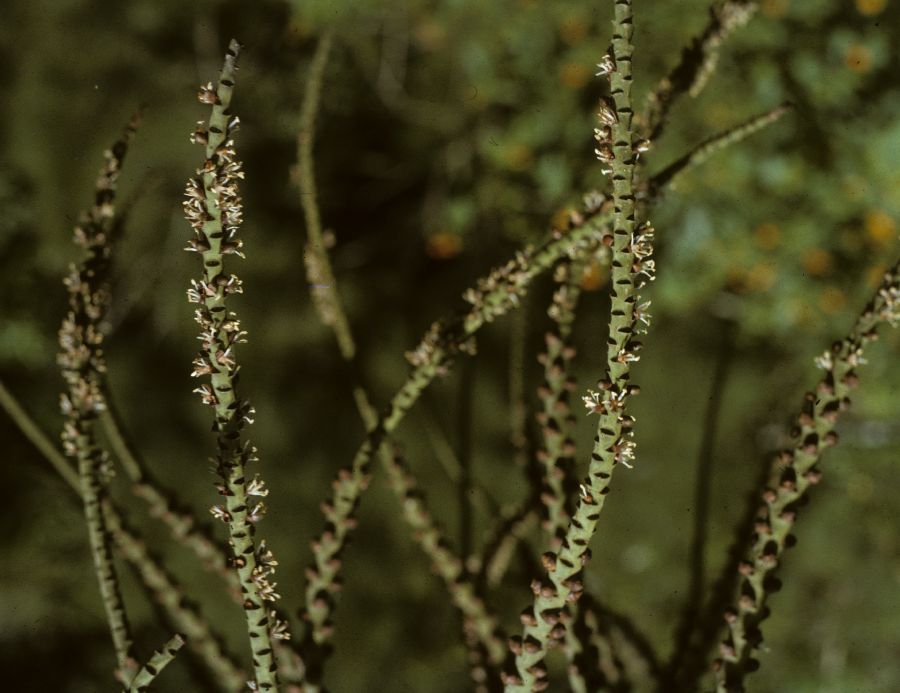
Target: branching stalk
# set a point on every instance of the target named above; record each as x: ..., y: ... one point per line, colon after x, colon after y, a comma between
x: 492, y: 297
x: 794, y: 472
x: 323, y: 580
x: 169, y: 595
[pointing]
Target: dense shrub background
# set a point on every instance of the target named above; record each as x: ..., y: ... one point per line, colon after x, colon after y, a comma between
x: 451, y: 133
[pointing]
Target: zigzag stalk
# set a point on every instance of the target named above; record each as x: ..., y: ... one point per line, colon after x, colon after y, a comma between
x: 545, y: 620
x: 213, y: 207
x: 793, y: 473
x: 323, y: 583
x: 160, y: 660
x: 492, y: 297
x: 82, y: 363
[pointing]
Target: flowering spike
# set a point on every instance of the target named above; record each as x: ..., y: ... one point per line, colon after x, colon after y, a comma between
x: 212, y: 206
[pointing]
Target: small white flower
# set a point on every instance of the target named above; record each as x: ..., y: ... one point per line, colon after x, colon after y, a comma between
x: 641, y: 315
x: 257, y: 487
x: 616, y: 400
x: 624, y: 451
x: 825, y: 361
x: 625, y: 356
x: 256, y: 512
x: 220, y: 513
x: 593, y: 401
x: 855, y: 358
x: 606, y: 66
x: 279, y: 630
x: 207, y: 395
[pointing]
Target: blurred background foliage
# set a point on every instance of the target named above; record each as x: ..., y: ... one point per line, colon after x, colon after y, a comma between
x: 451, y: 133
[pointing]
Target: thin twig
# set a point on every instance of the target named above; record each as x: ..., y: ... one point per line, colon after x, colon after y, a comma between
x: 690, y: 614
x: 37, y: 438
x: 698, y: 61
x: 159, y: 661
x: 710, y: 146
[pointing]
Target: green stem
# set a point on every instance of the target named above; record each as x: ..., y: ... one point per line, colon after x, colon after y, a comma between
x: 82, y: 364
x: 36, y: 436
x: 185, y: 529
x: 698, y: 61
x: 794, y: 472
x: 714, y: 144
x: 546, y: 619
x: 499, y: 547
x: 322, y: 586
x: 446, y: 563
x: 491, y: 297
x: 159, y: 661
x: 213, y: 208
x: 118, y: 444
x: 169, y: 595
x: 557, y: 423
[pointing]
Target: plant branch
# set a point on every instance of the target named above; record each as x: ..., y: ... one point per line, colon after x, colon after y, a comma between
x: 793, y: 472
x: 545, y: 620
x: 213, y: 208
x: 716, y: 143
x: 159, y: 661
x: 82, y: 364
x: 690, y: 614
x: 698, y: 62
x: 37, y: 438
x: 323, y: 582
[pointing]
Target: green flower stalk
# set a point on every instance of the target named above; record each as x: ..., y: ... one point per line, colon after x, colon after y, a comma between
x: 557, y: 423
x: 324, y: 584
x: 794, y: 472
x: 82, y: 363
x: 213, y: 207
x: 185, y: 529
x: 159, y: 661
x: 182, y: 524
x: 547, y: 618
x: 698, y: 62
x: 491, y: 297
x: 447, y: 564
x: 557, y: 454
x: 714, y: 144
